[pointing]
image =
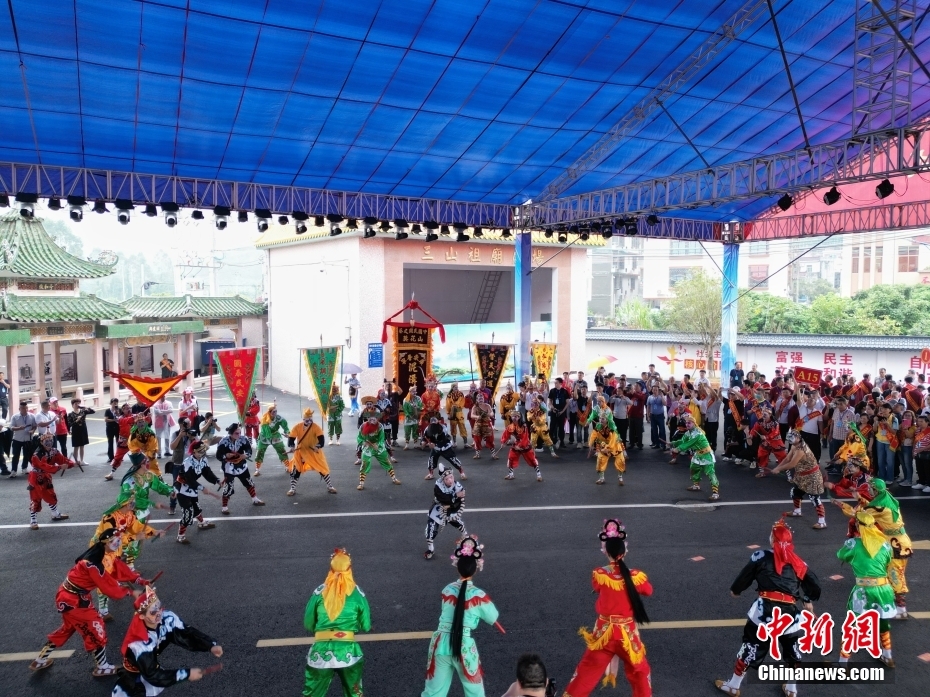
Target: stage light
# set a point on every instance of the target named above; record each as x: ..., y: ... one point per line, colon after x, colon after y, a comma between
x: 459, y: 228
x: 607, y: 231
x: 352, y: 224
x: 170, y: 210
x: 300, y: 226
x: 4, y: 201
x: 431, y: 225
x: 573, y: 229
x: 785, y: 202
x: 461, y: 236
x: 334, y: 217
x: 319, y: 221
x: 100, y: 207
x: 652, y: 220
x: 283, y: 220
x: 478, y: 232
x: 334, y: 229
x: 369, y: 231
x: 505, y: 233
x: 416, y: 229
x: 151, y: 210
x: 54, y: 204
x: 369, y: 222
x: 563, y: 238
x: 431, y: 236
x: 243, y: 216
x: 831, y: 197
x: 197, y: 214
x: 401, y: 223
x: 884, y: 189
x: 221, y: 216
x: 596, y: 226
x: 262, y: 216
x: 584, y: 237
x: 385, y: 226
x: 124, y: 208
x: 630, y: 227
x: 444, y: 230
x: 76, y: 208
x: 27, y: 202
x: 548, y: 233
x: 400, y: 235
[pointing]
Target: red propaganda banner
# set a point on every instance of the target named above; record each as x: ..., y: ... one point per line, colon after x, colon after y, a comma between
x: 147, y: 390
x: 808, y: 376
x: 239, y: 368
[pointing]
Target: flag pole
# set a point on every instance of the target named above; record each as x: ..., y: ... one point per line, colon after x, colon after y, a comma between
x: 211, y: 380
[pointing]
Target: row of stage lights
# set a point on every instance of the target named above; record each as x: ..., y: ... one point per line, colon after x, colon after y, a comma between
x: 402, y: 229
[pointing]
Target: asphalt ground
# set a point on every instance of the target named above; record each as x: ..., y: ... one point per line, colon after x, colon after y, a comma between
x: 248, y: 580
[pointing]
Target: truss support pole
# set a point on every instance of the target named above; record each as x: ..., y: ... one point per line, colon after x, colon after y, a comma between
x: 729, y: 321
x: 523, y: 302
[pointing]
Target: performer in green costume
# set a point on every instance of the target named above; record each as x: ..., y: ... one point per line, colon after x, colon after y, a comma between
x: 334, y: 416
x: 413, y: 407
x: 139, y: 482
x: 371, y: 443
x: 273, y: 431
x: 336, y: 611
x: 702, y: 457
x: 870, y: 557
x: 452, y: 649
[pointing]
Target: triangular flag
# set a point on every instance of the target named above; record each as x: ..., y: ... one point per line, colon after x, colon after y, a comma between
x: 321, y: 364
x: 239, y: 368
x: 147, y: 390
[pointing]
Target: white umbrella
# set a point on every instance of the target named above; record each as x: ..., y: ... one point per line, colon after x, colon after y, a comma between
x: 349, y: 368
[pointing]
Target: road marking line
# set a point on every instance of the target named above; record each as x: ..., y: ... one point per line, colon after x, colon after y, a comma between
x: 920, y: 544
x: 419, y: 511
x: 29, y: 655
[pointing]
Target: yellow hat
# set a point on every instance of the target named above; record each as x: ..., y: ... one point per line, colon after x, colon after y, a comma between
x: 308, y: 413
x: 339, y: 583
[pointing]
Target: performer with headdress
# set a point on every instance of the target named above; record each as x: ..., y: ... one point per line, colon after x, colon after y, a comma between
x: 442, y: 444
x: 517, y: 435
x: 770, y: 442
x: 432, y: 402
x: 142, y: 440
x: 455, y: 410
x: 305, y: 445
x: 870, y: 556
x: 508, y: 401
x: 187, y: 483
x: 448, y: 507
x: 151, y: 630
x: 782, y: 580
x: 138, y: 483
x: 607, y: 445
x: 233, y: 452
x: 853, y: 447
x: 452, y: 648
x: 334, y: 416
x: 620, y: 609
x: 702, y: 457
x: 413, y: 408
x: 272, y: 432
x: 336, y: 611
x: 77, y: 610
x: 807, y: 480
x: 886, y: 514
x: 855, y: 481
x: 46, y: 462
x: 388, y: 416
x: 372, y: 445
x: 482, y: 430
x: 540, y: 429
x: 252, y: 419
x: 124, y: 423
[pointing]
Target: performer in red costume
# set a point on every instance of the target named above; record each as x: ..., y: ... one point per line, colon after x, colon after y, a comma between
x: 46, y: 462
x: 252, y: 419
x: 615, y: 637
x: 770, y: 443
x: 78, y: 613
x: 854, y: 482
x: 125, y: 423
x: 432, y: 402
x: 517, y: 435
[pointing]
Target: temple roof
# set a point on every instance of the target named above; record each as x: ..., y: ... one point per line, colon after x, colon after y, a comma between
x: 36, y: 308
x: 191, y: 306
x: 26, y: 249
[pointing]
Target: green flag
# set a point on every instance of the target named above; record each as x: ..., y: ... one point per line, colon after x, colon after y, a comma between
x: 321, y: 364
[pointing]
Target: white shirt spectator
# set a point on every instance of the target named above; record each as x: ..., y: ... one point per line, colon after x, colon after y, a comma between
x: 45, y: 422
x: 811, y: 425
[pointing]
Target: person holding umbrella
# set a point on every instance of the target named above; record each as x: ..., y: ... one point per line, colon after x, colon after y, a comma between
x: 354, y: 386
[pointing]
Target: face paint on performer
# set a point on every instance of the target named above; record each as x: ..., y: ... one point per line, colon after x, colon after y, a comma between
x: 152, y: 616
x: 113, y: 543
x: 448, y: 477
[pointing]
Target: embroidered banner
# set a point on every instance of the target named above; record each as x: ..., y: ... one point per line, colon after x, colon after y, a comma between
x: 239, y: 368
x: 543, y: 356
x: 413, y: 353
x: 147, y: 390
x: 321, y: 364
x: 491, y: 361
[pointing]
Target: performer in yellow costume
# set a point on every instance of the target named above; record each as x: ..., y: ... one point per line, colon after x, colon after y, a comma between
x: 540, y: 429
x: 508, y: 401
x: 607, y: 445
x: 142, y: 440
x: 305, y: 445
x: 455, y: 410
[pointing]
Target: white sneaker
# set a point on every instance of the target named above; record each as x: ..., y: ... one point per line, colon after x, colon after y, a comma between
x: 905, y: 484
x: 926, y: 490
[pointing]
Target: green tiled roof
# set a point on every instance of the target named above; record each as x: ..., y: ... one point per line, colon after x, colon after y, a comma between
x: 191, y: 306
x: 27, y: 249
x: 32, y: 308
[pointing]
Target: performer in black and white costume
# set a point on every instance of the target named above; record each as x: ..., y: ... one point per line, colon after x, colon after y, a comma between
x: 195, y: 466
x: 448, y: 507
x: 437, y: 435
x: 234, y: 452
x: 151, y: 630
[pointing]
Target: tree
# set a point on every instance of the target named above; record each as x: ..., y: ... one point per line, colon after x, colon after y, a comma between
x: 809, y: 289
x: 636, y: 314
x: 59, y: 231
x: 832, y: 314
x: 770, y: 314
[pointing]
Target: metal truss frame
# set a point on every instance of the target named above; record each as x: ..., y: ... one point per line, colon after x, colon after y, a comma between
x: 863, y: 157
x: 192, y: 192
x: 897, y: 216
x: 883, y: 64
x: 683, y: 74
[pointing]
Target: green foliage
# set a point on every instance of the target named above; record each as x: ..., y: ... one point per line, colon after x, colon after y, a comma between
x: 60, y: 232
x: 770, y: 314
x: 636, y: 314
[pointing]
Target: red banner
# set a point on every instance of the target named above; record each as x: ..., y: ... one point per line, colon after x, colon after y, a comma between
x: 808, y: 376
x: 239, y: 368
x: 147, y: 390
